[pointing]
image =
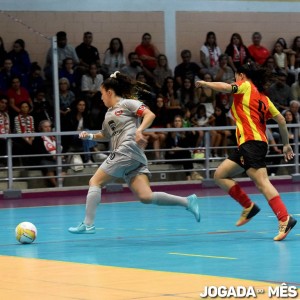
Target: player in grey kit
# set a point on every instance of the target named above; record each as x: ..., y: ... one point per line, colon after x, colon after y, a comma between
x: 127, y: 159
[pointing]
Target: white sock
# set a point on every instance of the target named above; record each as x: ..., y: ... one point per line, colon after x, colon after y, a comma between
x: 160, y: 198
x: 93, y: 198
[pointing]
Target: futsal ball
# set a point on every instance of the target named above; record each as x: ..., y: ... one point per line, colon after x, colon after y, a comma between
x: 26, y: 233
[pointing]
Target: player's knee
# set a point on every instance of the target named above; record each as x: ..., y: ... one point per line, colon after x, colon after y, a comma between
x: 145, y: 198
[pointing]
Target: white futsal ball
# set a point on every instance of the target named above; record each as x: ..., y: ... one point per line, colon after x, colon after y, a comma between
x: 26, y: 233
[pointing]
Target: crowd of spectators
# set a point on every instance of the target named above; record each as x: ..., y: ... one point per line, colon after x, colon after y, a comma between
x: 26, y: 89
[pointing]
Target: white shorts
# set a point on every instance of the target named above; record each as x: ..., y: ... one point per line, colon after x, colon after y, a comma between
x: 121, y: 166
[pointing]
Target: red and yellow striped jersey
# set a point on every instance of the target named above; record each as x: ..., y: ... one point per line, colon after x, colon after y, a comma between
x: 251, y: 110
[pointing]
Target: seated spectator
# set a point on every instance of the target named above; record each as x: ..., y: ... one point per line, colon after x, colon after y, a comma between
x: 157, y: 139
x: 16, y: 95
x: 4, y: 126
x: 294, y: 108
x: 280, y: 92
x: 186, y: 69
x: 186, y: 94
x: 6, y: 74
x: 258, y: 52
x: 20, y: 59
x: 35, y: 80
x: 24, y: 123
x: 42, y: 109
x: 290, y: 119
x: 288, y: 51
x: 237, y: 52
x: 64, y: 50
x: 223, y: 72
x: 295, y: 89
x: 177, y: 142
x: 135, y: 66
x: 114, y: 57
x: 66, y: 97
x: 161, y: 71
x: 219, y: 118
x: 147, y: 52
x: 77, y: 120
x: 280, y: 57
x: 210, y: 53
x: 3, y: 53
x: 68, y: 71
x: 91, y: 82
x: 87, y: 53
x: 47, y: 145
x: 273, y: 157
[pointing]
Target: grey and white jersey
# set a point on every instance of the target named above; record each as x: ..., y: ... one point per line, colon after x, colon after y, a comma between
x: 120, y: 126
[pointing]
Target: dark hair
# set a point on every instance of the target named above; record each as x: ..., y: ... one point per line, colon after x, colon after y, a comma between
x: 21, y: 103
x: 258, y: 75
x: 111, y: 49
x: 210, y: 33
x: 20, y: 42
x: 124, y: 86
x: 61, y: 35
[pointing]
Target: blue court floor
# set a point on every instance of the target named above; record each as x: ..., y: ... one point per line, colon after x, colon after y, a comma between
x: 149, y: 237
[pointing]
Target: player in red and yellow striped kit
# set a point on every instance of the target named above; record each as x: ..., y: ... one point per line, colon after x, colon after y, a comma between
x: 251, y: 109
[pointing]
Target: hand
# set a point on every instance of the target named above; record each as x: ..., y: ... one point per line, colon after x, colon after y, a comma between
x: 199, y: 83
x: 84, y: 135
x: 141, y: 139
x: 288, y: 152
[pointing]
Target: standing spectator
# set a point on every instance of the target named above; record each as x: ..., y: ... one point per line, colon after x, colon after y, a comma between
x: 162, y: 70
x: 147, y: 52
x: 186, y: 69
x: 258, y: 52
x: 114, y: 57
x: 20, y: 59
x: 17, y: 94
x: 210, y: 52
x: 4, y: 125
x: 2, y: 53
x: 47, y: 145
x: 87, y: 53
x: 64, y: 50
x: 237, y: 52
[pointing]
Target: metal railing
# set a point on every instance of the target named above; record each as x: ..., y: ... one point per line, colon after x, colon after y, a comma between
x: 205, y: 165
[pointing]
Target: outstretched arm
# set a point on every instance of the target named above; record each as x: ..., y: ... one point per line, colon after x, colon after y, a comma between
x: 217, y: 86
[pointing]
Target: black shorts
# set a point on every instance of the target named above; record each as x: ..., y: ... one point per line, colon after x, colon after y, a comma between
x: 251, y: 154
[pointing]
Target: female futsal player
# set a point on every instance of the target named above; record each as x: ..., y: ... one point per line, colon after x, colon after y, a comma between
x: 127, y: 159
x: 251, y: 109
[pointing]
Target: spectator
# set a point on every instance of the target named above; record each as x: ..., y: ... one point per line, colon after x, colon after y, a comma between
x: 35, y: 80
x: 290, y: 119
x: 294, y: 108
x: 288, y: 51
x: 3, y: 53
x: 177, y: 142
x: 78, y: 120
x: 223, y: 72
x: 135, y: 66
x: 64, y: 50
x: 237, y: 52
x: 66, y: 96
x: 69, y: 71
x: 42, y: 109
x: 91, y: 82
x: 147, y: 52
x: 24, y: 124
x: 186, y: 69
x: 16, y: 95
x: 210, y: 52
x: 6, y: 75
x: 20, y: 59
x: 280, y: 57
x: 4, y: 126
x: 114, y: 57
x: 162, y: 70
x: 87, y: 53
x: 157, y: 139
x: 274, y: 154
x: 295, y: 87
x: 258, y: 52
x: 280, y: 93
x: 296, y: 48
x: 187, y: 94
x: 47, y: 145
